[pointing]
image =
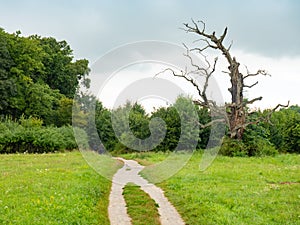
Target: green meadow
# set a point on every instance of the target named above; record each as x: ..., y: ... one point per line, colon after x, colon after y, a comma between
x: 58, y: 188
x: 61, y: 188
x: 234, y: 190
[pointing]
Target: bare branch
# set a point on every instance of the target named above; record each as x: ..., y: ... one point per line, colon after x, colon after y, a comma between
x: 268, y: 116
x: 235, y: 113
x: 213, y: 41
x: 195, y: 24
x: 250, y: 86
x: 183, y: 75
x: 203, y: 24
x: 259, y: 72
x: 206, y: 60
x: 280, y: 105
x: 229, y: 47
x: 260, y: 119
x: 208, y: 45
x: 200, y: 103
x: 226, y: 72
x: 208, y: 76
x: 195, y: 29
x: 247, y: 69
x: 197, y: 40
x: 188, y: 76
x: 210, y: 123
x: 198, y: 68
x: 223, y: 35
x: 253, y: 100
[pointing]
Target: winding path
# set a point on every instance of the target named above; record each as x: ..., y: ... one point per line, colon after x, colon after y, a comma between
x: 117, y: 206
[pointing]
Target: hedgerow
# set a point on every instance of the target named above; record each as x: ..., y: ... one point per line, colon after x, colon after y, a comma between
x: 28, y: 135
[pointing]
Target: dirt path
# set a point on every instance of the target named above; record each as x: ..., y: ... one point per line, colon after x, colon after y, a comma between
x: 117, y: 205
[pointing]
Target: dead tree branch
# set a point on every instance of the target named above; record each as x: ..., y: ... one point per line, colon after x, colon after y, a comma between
x: 251, y: 86
x: 203, y: 126
x: 235, y: 111
x: 259, y: 72
x: 263, y: 118
x: 253, y: 100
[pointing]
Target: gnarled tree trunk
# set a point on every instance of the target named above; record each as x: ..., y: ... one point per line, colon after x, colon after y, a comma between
x: 236, y: 113
x: 236, y: 110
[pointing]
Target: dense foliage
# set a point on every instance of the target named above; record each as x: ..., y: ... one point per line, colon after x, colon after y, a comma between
x: 38, y: 77
x: 280, y: 134
x: 139, y: 122
x: 29, y: 136
x: 285, y: 130
x: 38, y: 81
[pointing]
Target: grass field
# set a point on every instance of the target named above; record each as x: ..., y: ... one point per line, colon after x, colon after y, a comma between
x: 51, y: 189
x: 62, y: 189
x: 235, y: 190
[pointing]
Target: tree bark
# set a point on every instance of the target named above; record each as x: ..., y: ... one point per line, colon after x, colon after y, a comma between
x: 236, y: 113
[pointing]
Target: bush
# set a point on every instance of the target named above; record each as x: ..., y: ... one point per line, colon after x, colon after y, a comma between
x: 231, y: 147
x: 257, y: 147
x: 30, y: 122
x: 261, y: 147
x: 285, y: 130
x: 29, y: 136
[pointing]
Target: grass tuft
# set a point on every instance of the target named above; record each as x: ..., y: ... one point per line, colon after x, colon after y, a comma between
x: 140, y: 207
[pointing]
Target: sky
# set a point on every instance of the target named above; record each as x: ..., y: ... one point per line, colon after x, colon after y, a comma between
x: 265, y: 35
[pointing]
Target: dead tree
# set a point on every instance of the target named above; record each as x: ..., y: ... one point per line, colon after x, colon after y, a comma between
x: 236, y: 111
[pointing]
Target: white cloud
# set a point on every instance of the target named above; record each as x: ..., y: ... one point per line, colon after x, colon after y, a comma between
x: 282, y: 86
x: 94, y: 27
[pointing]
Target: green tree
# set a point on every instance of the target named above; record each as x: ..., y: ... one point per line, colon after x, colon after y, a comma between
x: 42, y: 102
x: 204, y: 133
x: 131, y: 125
x: 35, y: 74
x: 182, y: 126
x: 26, y: 54
x: 104, y: 127
x: 172, y: 120
x: 63, y: 113
x: 8, y: 86
x: 285, y: 129
x: 187, y: 111
x: 60, y: 71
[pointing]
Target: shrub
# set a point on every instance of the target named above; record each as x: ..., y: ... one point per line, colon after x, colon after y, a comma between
x: 30, y: 122
x: 29, y: 136
x: 257, y: 147
x: 231, y: 147
x: 261, y: 147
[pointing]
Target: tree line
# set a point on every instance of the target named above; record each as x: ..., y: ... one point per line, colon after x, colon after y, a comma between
x: 279, y: 135
x: 38, y: 82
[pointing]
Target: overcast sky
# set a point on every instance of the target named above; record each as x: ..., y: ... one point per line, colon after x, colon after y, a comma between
x: 265, y: 33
